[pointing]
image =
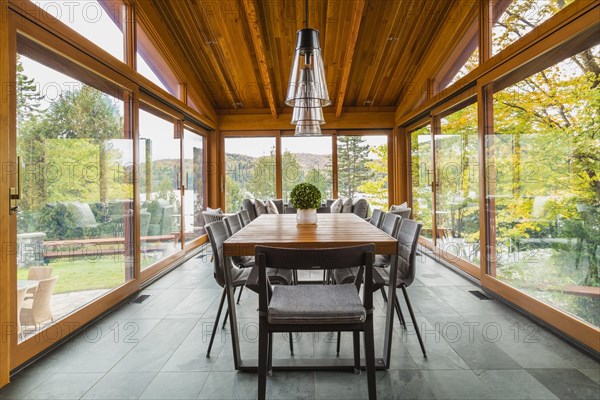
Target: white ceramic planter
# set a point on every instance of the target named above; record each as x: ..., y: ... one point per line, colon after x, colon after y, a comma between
x: 306, y: 217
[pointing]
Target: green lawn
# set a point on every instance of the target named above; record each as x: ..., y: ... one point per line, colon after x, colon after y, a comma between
x: 82, y: 274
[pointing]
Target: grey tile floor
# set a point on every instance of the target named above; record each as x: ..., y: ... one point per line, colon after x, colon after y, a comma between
x: 156, y: 350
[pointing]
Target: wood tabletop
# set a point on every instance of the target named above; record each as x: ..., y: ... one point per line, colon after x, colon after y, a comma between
x: 332, y: 230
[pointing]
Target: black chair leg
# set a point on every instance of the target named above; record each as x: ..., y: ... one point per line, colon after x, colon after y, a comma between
x: 399, y: 312
x: 240, y: 295
x: 370, y: 358
x: 214, y: 331
x: 263, y: 345
x: 227, y: 314
x: 270, y: 354
x: 412, y: 316
x: 339, y: 341
x: 383, y: 294
x: 291, y: 344
x: 356, y: 340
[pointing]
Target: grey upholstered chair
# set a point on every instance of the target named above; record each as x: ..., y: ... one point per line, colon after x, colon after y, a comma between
x: 408, y: 237
x: 217, y: 234
x: 390, y: 226
x: 403, y: 212
x: 212, y: 216
x: 315, y: 308
x: 376, y: 217
x: 232, y: 223
x: 244, y: 217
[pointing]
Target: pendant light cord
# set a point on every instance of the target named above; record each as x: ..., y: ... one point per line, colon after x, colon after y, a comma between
x: 306, y: 14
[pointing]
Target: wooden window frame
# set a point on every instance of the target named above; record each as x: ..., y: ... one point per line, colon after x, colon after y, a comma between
x: 564, y: 33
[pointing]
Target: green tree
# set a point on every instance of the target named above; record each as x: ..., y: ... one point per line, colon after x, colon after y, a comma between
x: 291, y: 173
x: 234, y: 195
x: 377, y: 188
x: 318, y: 179
x: 353, y: 155
x: 84, y: 114
x: 260, y: 177
x: 28, y: 97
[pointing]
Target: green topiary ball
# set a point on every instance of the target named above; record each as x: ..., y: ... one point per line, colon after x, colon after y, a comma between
x: 305, y: 196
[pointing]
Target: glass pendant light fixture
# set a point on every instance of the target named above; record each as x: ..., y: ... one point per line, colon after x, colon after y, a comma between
x: 307, y: 88
x: 308, y: 120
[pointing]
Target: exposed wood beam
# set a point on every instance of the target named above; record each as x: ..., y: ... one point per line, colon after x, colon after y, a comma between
x: 359, y: 8
x: 350, y: 120
x: 252, y: 12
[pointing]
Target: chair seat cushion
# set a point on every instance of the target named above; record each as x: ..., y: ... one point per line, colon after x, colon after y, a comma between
x: 345, y: 275
x: 280, y: 276
x: 382, y: 260
x: 243, y: 261
x: 240, y: 276
x: 385, y: 274
x: 317, y: 304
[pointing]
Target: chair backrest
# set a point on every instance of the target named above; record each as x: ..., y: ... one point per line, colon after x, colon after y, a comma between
x: 212, y: 216
x: 390, y: 224
x: 217, y: 234
x: 39, y: 273
x: 327, y: 258
x: 376, y: 217
x: 402, y: 212
x: 408, y: 238
x: 41, y: 306
x: 232, y: 222
x: 248, y: 205
x: 244, y: 217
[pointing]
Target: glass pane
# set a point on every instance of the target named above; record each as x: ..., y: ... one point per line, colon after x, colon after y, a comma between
x: 306, y: 160
x: 99, y: 21
x: 75, y: 225
x: 150, y: 65
x: 250, y: 170
x: 363, y: 168
x: 160, y: 215
x: 519, y: 18
x: 194, y: 181
x: 543, y: 187
x: 457, y: 192
x: 470, y: 64
x: 422, y: 178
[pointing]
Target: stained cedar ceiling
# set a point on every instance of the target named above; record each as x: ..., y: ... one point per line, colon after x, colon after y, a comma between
x: 377, y: 53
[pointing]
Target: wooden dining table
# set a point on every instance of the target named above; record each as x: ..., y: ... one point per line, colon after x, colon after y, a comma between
x: 331, y: 230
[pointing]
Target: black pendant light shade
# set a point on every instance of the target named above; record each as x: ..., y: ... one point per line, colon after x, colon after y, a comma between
x: 307, y: 85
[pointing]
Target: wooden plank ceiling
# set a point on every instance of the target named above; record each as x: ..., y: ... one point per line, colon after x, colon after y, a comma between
x: 373, y: 50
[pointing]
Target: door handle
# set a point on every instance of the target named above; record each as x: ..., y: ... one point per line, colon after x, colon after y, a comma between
x: 15, y: 193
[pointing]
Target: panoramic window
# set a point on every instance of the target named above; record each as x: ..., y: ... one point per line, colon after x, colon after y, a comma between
x: 194, y: 180
x: 160, y: 194
x: 75, y: 219
x: 249, y: 170
x: 152, y: 66
x: 469, y: 65
x: 543, y: 187
x: 519, y: 18
x: 457, y: 190
x: 306, y: 159
x: 99, y: 21
x: 363, y: 168
x: 422, y: 178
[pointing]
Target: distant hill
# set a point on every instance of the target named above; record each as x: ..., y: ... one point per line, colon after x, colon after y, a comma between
x: 306, y: 160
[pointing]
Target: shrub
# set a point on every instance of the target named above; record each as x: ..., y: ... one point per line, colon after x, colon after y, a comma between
x: 305, y: 196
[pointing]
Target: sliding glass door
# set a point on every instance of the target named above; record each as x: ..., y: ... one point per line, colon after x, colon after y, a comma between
x: 75, y: 218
